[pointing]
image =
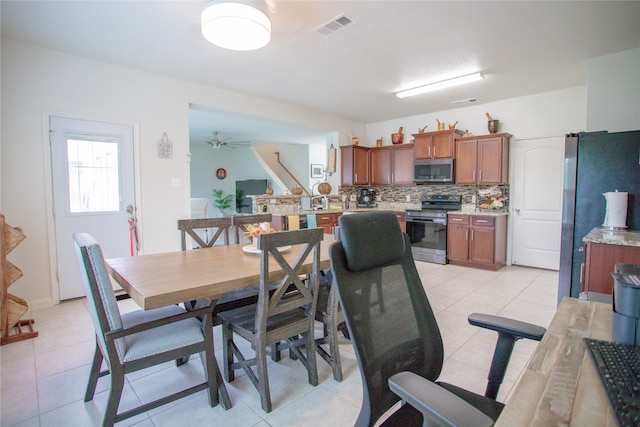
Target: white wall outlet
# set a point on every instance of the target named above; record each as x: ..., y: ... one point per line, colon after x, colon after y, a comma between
x: 272, y: 201
x: 176, y: 183
x: 408, y: 197
x: 352, y: 197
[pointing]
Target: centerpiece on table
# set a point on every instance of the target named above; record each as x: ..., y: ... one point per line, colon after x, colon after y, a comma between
x: 253, y: 231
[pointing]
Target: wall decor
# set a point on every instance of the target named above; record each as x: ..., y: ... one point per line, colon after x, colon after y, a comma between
x: 221, y: 173
x: 165, y: 147
x: 316, y: 171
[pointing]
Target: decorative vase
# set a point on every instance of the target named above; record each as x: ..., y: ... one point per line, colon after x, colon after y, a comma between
x: 397, y: 138
x: 493, y: 125
x: 324, y: 188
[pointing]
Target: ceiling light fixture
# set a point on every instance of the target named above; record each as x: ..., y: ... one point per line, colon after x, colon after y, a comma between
x: 441, y: 85
x: 236, y: 25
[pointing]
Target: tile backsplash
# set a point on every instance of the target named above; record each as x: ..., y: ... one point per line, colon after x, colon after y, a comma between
x: 392, y: 197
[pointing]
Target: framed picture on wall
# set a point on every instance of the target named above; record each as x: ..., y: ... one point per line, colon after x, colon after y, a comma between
x: 316, y: 171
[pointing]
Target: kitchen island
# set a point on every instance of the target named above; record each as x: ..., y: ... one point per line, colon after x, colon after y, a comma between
x: 603, y: 250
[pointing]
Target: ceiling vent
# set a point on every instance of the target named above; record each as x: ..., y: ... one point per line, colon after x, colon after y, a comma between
x: 338, y: 23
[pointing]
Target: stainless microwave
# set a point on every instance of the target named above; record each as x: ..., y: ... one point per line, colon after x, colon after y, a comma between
x: 433, y: 171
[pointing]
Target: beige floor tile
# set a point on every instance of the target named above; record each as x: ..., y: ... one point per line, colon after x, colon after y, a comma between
x: 62, y: 354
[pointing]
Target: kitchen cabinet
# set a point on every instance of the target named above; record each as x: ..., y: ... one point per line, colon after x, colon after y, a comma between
x: 435, y: 145
x: 354, y: 165
x: 600, y: 260
x: 482, y: 159
x: 402, y: 220
x: 327, y: 221
x: 477, y: 240
x: 391, y: 165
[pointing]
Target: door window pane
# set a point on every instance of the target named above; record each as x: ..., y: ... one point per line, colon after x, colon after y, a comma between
x: 93, y: 176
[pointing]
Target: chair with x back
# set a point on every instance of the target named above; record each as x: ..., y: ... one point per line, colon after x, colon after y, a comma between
x: 192, y: 227
x: 240, y: 222
x: 395, y: 334
x: 284, y: 317
x: 141, y: 339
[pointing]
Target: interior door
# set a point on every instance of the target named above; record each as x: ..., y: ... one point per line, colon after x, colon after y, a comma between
x: 536, y: 201
x: 93, y: 192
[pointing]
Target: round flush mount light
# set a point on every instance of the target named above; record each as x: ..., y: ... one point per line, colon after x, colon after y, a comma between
x: 236, y: 25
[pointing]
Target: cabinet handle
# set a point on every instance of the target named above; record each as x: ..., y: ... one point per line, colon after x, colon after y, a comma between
x: 471, y: 234
x: 429, y: 155
x: 456, y: 219
x: 356, y: 179
x: 466, y: 235
x: 480, y: 175
x: 434, y: 151
x: 474, y: 175
x: 481, y: 220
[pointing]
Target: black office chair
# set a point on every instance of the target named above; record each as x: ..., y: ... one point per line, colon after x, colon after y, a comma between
x: 395, y: 335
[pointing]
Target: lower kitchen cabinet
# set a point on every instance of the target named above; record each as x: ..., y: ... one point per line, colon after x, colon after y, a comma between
x: 600, y: 261
x: 327, y: 221
x: 477, y: 240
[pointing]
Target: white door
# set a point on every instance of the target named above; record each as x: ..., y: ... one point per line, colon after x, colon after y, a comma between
x: 536, y: 201
x: 93, y: 190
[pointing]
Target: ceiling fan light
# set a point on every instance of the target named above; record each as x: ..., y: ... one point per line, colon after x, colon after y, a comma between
x: 441, y: 85
x: 235, y: 26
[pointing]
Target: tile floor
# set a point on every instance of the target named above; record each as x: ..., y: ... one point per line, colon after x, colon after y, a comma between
x: 43, y: 379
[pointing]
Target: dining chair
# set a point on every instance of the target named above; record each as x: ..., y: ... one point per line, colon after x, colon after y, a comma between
x: 329, y: 313
x: 284, y: 317
x: 395, y: 334
x: 240, y: 222
x: 141, y: 339
x: 191, y: 227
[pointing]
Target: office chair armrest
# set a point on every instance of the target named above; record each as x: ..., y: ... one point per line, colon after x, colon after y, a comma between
x: 436, y: 404
x: 503, y: 325
x: 204, y: 312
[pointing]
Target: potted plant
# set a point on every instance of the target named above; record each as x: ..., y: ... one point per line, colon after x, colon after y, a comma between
x: 240, y: 201
x: 221, y: 201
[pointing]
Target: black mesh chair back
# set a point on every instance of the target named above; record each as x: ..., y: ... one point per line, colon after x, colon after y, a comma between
x: 395, y: 335
x: 390, y: 321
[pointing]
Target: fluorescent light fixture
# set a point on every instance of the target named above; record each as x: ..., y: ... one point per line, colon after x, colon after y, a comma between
x: 441, y: 85
x: 235, y: 25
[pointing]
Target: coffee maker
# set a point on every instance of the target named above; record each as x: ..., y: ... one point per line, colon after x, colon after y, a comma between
x: 366, y: 197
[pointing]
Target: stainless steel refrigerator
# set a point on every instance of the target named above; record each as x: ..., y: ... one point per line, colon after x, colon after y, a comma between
x: 595, y: 163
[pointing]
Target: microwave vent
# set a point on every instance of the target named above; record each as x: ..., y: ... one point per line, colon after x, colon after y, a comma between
x: 336, y: 24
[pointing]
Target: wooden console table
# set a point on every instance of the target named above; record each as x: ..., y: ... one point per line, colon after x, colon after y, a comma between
x: 561, y: 386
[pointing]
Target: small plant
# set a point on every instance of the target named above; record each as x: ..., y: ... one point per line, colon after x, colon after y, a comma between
x: 221, y: 201
x: 240, y: 201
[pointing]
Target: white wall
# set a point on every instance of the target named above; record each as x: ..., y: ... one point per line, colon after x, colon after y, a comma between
x: 37, y: 81
x: 535, y: 116
x: 613, y: 92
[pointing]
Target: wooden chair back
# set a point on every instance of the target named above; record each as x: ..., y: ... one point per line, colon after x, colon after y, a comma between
x: 240, y: 222
x: 191, y: 226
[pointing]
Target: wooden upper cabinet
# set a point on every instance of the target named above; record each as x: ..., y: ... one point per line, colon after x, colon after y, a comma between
x: 391, y: 165
x: 380, y: 165
x: 402, y: 165
x: 482, y: 159
x: 354, y: 165
x: 435, y: 145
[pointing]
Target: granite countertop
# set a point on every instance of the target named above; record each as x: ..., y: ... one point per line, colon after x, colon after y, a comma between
x: 622, y: 238
x: 470, y: 209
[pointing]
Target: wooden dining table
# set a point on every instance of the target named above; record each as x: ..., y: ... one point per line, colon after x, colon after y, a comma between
x: 163, y: 279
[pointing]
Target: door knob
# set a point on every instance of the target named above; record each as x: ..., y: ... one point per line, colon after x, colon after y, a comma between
x: 517, y: 210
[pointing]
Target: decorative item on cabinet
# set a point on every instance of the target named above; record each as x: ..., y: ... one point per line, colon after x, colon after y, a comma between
x: 466, y: 133
x: 379, y: 141
x: 421, y: 130
x: 453, y: 126
x: 354, y: 139
x: 492, y: 124
x: 440, y: 125
x: 397, y: 138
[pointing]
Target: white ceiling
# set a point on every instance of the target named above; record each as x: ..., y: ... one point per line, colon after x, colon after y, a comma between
x: 522, y: 47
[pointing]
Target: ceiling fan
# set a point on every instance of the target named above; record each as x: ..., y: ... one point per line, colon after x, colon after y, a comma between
x: 216, y: 142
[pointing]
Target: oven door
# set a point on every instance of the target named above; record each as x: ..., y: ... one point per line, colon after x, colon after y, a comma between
x: 428, y: 237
